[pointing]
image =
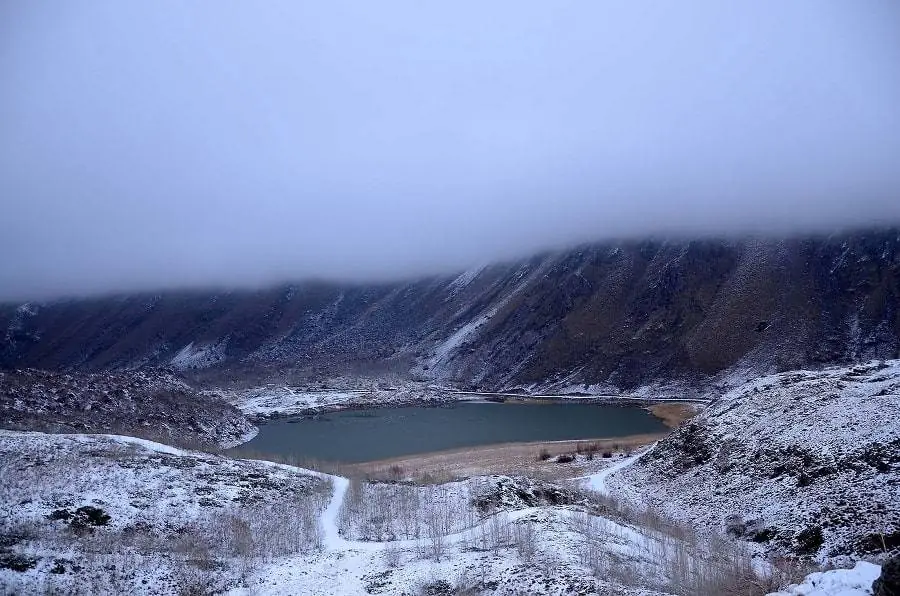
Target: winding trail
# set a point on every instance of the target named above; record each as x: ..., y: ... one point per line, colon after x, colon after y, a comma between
x: 333, y: 541
x: 597, y: 482
x: 331, y: 537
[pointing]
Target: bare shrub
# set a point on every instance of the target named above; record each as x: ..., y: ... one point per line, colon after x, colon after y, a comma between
x: 525, y: 538
x: 496, y: 534
x: 438, y: 523
x: 591, y: 552
x: 681, y: 563
x: 381, y: 512
x: 392, y: 556
x: 396, y: 472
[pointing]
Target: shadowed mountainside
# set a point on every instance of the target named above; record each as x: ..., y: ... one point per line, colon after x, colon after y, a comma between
x: 613, y: 315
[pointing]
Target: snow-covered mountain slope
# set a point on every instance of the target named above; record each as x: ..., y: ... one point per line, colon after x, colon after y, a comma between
x: 146, y: 403
x: 614, y: 316
x: 806, y: 462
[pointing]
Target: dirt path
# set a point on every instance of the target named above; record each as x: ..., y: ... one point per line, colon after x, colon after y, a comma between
x: 597, y: 481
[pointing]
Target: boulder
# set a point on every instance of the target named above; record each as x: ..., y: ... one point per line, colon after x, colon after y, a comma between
x: 889, y: 582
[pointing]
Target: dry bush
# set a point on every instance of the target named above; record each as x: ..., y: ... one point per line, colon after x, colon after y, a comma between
x: 525, y: 539
x: 396, y: 472
x: 672, y: 558
x: 496, y: 533
x: 390, y: 511
x: 588, y: 450
x: 392, y: 555
x: 269, y: 530
x: 307, y: 463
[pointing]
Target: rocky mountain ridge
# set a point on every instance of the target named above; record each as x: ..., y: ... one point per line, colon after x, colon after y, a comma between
x: 608, y: 317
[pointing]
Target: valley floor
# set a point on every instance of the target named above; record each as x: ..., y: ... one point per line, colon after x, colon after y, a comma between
x: 107, y: 514
x: 799, y: 464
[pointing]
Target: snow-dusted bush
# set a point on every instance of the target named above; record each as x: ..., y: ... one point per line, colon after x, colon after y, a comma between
x: 386, y: 511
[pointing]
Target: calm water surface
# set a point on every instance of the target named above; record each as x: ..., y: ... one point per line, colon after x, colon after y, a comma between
x: 367, y: 435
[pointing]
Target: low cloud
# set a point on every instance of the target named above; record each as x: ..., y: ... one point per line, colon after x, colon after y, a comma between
x: 171, y: 144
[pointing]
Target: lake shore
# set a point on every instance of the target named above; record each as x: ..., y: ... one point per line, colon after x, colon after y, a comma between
x: 518, y: 459
x: 521, y: 458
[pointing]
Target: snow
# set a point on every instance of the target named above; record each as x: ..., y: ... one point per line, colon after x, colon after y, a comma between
x: 577, y: 546
x: 800, y: 451
x: 278, y: 401
x: 195, y: 356
x: 331, y: 537
x: 155, y: 497
x: 582, y: 542
x: 597, y: 481
x: 149, y: 445
x: 836, y: 582
x: 264, y: 401
x: 445, y: 349
x: 464, y: 279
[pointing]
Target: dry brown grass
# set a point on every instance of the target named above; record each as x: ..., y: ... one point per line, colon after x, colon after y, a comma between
x: 508, y: 458
x: 673, y: 414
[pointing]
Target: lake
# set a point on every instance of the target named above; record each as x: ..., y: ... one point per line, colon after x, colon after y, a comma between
x: 366, y: 435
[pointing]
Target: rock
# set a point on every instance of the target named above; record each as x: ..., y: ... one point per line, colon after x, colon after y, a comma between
x: 735, y: 525
x: 889, y: 582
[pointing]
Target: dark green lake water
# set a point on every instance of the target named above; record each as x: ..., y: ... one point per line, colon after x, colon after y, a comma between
x: 367, y: 435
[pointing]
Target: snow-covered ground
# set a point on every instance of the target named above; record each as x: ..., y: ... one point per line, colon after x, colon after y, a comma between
x: 112, y: 514
x: 836, y: 582
x: 274, y: 401
x: 804, y: 462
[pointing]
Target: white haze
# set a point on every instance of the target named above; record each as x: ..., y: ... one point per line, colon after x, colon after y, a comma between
x: 159, y: 144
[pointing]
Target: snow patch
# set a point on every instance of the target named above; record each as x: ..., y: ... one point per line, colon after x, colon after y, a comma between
x: 196, y: 356
x: 837, y: 582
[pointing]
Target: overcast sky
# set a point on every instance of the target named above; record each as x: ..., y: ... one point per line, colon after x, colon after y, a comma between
x: 157, y: 144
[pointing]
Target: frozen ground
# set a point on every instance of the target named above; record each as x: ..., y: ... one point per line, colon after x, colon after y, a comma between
x: 803, y: 462
x: 148, y: 403
x: 110, y: 514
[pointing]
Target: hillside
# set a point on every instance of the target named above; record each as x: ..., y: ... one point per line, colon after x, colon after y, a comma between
x: 802, y: 462
x: 149, y: 403
x: 614, y: 317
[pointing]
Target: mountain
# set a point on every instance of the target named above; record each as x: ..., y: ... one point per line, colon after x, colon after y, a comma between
x: 613, y: 316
